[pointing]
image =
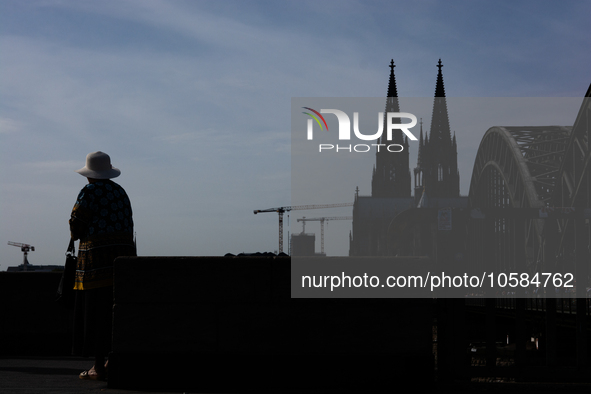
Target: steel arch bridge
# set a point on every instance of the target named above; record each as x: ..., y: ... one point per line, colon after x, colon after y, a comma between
x: 530, y: 167
x: 569, y: 240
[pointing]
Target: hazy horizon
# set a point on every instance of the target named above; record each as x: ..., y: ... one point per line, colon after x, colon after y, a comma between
x: 192, y: 101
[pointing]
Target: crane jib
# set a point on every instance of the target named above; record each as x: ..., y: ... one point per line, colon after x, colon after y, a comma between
x: 282, y: 210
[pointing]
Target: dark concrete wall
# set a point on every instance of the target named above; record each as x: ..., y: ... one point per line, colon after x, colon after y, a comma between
x: 230, y: 323
x: 217, y: 323
x: 31, y: 323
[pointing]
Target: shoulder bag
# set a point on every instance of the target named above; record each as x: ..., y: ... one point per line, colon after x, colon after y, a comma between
x: 65, y: 291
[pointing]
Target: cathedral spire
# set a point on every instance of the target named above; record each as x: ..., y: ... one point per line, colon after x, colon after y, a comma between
x: 391, y: 177
x: 440, y: 133
x: 392, y: 99
x: 392, y: 92
x: 438, y: 156
x: 439, y: 88
x: 392, y: 106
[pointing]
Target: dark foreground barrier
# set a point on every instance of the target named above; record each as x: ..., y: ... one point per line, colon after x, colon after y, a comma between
x: 223, y: 323
x: 31, y: 323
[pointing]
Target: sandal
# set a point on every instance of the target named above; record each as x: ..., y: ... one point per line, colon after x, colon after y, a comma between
x: 86, y: 375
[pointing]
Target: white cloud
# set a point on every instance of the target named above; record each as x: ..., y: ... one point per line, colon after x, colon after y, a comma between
x: 8, y: 125
x: 53, y: 167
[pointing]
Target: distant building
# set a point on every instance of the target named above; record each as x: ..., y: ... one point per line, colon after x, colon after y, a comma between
x: 303, y: 244
x: 35, y: 268
x: 371, y: 219
x: 436, y: 185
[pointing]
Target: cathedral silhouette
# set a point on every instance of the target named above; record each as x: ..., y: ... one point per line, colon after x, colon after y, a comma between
x: 377, y: 218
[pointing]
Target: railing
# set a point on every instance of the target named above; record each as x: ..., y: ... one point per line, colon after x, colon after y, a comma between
x: 560, y: 326
x: 564, y: 305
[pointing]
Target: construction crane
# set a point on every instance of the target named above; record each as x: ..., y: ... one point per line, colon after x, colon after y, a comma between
x: 282, y: 210
x: 322, y: 220
x: 25, y: 248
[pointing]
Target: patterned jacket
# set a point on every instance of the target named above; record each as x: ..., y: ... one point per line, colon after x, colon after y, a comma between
x: 102, y: 220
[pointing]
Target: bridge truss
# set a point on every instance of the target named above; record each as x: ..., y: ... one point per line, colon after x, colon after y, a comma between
x: 515, y: 167
x: 569, y: 240
x: 531, y: 167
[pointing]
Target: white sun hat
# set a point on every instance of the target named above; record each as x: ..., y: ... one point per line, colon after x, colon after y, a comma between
x: 98, y: 166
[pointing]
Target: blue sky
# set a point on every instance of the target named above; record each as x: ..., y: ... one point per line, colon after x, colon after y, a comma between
x: 192, y: 99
